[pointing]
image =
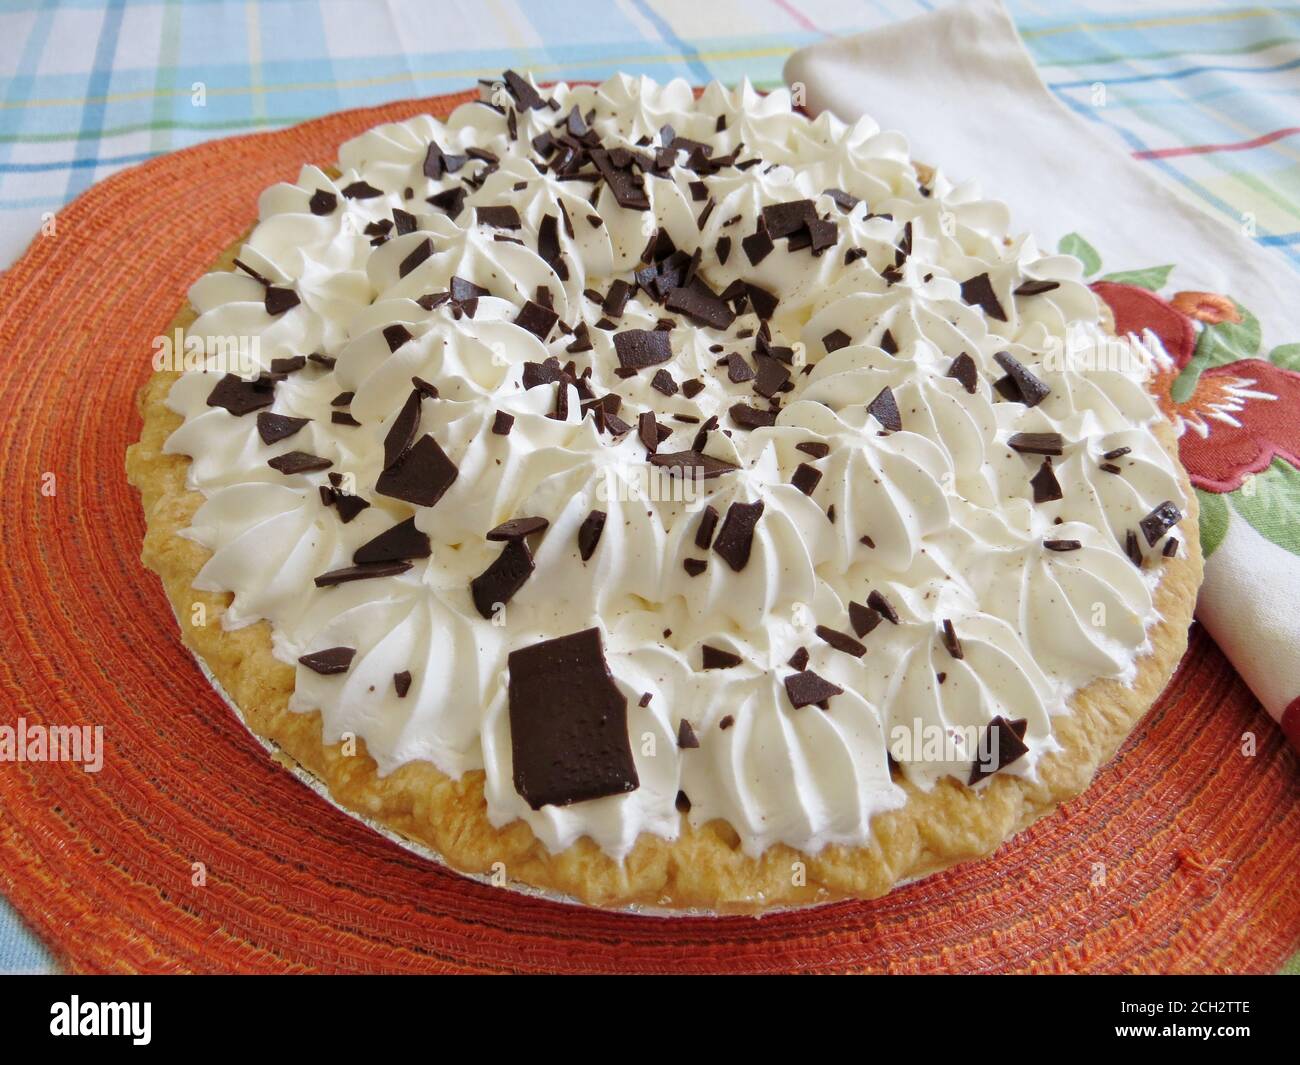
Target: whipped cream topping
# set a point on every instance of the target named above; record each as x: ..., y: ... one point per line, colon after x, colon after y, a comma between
x: 936, y: 520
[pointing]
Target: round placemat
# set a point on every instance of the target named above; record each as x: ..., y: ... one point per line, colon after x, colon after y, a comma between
x: 192, y: 850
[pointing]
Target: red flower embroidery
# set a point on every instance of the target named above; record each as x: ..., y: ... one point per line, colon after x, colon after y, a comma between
x: 1239, y: 417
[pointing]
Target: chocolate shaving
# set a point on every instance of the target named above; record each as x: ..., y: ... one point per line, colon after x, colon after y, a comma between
x: 361, y: 573
x: 716, y: 658
x: 402, y: 683
x: 882, y: 606
x: 806, y: 478
x: 329, y: 661
x: 537, y: 319
x: 950, y: 640
x: 806, y: 688
x: 274, y: 427
x: 420, y: 476
x: 241, y: 397
x: 502, y: 579
x: 686, y: 738
x: 517, y: 529
x: 589, y: 533
x: 403, y: 541
x: 396, y: 335
x: 298, y: 462
x: 1046, y: 487
x: 322, y: 202
x: 884, y: 408
x: 736, y: 537
x: 835, y: 340
x: 1062, y: 545
x: 1159, y: 522
x: 401, y: 434
x: 639, y: 348
x: 279, y: 300
x: 421, y: 252
x: 1001, y: 743
x: 863, y: 618
x: 1036, y: 443
x: 841, y: 641
x: 700, y: 465
x: 361, y: 190
x: 978, y: 292
x: 1036, y: 288
x: 1020, y: 385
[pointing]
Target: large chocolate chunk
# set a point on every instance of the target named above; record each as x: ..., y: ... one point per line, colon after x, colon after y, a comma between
x: 568, y: 723
x: 420, y: 476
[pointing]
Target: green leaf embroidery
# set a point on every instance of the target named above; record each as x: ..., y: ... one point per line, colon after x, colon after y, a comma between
x: 1226, y: 342
x: 1269, y: 501
x: 1073, y: 244
x: 1287, y: 356
x: 1153, y: 277
x: 1218, y: 344
x: 1214, y: 521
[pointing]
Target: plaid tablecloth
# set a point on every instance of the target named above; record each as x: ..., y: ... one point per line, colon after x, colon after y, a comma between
x: 1205, y: 94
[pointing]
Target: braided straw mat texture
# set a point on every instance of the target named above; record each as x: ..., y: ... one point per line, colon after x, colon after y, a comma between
x: 1181, y: 857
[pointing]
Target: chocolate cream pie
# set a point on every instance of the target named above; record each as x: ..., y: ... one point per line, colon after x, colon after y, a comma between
x: 666, y: 499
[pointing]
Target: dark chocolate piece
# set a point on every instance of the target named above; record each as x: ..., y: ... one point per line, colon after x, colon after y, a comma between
x: 298, y: 462
x: 1022, y: 385
x: 1036, y: 443
x: 736, y: 537
x: 420, y: 476
x: 274, y: 427
x: 884, y: 408
x: 361, y: 573
x: 403, y: 541
x: 1001, y: 743
x: 1046, y: 487
x: 716, y: 658
x: 503, y: 578
x: 329, y: 661
x: 978, y: 292
x: 964, y: 371
x: 568, y: 723
x: 242, y: 397
x: 517, y: 529
x: 882, y: 606
x: 863, y: 618
x: 806, y: 688
x: 950, y: 640
x: 1160, y: 521
x: 841, y: 641
x: 589, y: 533
x: 638, y: 348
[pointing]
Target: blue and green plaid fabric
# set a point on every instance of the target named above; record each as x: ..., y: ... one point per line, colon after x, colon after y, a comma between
x: 1205, y: 94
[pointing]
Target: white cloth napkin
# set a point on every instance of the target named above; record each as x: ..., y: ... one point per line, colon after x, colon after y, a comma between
x: 961, y: 86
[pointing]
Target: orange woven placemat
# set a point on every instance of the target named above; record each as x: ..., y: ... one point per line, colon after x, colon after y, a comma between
x: 1182, y: 856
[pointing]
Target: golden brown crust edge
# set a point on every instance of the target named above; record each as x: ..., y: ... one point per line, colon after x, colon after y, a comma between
x: 704, y: 868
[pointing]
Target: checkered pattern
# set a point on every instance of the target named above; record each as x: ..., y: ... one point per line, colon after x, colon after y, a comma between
x: 1206, y: 95
x: 1203, y: 93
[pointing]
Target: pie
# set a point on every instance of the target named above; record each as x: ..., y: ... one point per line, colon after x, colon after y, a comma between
x: 664, y: 499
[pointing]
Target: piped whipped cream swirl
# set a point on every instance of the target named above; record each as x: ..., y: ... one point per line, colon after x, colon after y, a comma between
x: 937, y: 518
